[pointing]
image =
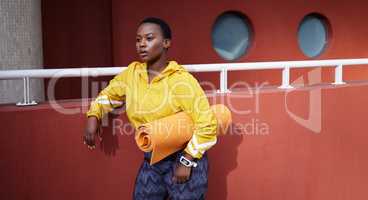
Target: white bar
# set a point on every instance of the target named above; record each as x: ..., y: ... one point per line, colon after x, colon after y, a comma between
x: 24, y: 90
x: 85, y: 87
x: 26, y: 94
x: 274, y: 65
x: 221, y: 83
x: 64, y: 72
x: 338, y: 75
x: 223, y: 77
x: 109, y: 71
x: 27, y: 91
x: 286, y: 79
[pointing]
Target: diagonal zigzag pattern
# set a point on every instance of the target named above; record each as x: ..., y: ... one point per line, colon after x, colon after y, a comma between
x: 154, y: 182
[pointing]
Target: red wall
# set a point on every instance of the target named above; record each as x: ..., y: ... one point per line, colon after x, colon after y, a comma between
x: 76, y: 34
x: 102, y: 33
x: 275, y: 30
x: 43, y: 157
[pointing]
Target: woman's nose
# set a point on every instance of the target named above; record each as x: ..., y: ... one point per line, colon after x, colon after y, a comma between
x: 142, y: 43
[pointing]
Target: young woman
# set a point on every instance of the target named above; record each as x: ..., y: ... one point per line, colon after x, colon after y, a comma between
x: 152, y: 89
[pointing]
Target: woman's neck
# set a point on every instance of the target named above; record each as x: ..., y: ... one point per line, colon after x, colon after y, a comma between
x: 158, y: 65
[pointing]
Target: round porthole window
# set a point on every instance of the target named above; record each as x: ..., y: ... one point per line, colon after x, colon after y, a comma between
x: 231, y: 35
x: 313, y: 34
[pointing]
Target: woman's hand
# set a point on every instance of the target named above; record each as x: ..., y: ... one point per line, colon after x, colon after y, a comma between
x: 92, y: 129
x: 182, y: 173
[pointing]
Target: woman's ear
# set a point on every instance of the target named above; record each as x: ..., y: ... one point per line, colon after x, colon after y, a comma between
x: 167, y: 43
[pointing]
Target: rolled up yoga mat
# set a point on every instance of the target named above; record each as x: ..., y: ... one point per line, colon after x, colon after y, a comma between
x: 170, y: 134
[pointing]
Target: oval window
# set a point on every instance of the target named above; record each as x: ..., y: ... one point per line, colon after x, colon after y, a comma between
x: 313, y: 35
x: 231, y: 35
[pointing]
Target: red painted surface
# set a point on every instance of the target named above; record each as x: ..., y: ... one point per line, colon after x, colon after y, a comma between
x: 275, y: 32
x: 102, y: 33
x: 43, y: 157
x: 75, y: 34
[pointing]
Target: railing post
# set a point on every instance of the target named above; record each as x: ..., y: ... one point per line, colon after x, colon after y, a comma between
x: 26, y: 94
x: 85, y: 88
x: 286, y: 79
x: 28, y: 98
x: 338, y: 75
x: 223, y: 81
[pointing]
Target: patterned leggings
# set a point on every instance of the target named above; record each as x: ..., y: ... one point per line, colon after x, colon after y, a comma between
x: 155, y: 182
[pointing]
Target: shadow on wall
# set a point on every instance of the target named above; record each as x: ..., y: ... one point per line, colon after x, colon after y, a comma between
x: 116, y: 125
x: 109, y: 143
x: 223, y: 160
x: 118, y: 145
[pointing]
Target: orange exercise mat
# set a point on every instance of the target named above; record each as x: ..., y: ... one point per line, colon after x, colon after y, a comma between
x: 170, y: 134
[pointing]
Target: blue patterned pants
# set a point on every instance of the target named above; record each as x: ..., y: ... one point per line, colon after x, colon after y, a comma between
x: 155, y: 182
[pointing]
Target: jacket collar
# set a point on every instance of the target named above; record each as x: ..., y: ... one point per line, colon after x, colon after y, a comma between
x: 171, y: 68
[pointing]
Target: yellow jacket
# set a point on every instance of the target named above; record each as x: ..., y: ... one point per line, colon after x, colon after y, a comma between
x: 172, y: 91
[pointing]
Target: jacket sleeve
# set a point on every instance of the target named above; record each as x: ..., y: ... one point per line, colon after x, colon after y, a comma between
x: 193, y: 101
x: 111, y: 97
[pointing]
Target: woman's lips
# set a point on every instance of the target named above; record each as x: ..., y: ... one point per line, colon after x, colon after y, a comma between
x: 143, y: 54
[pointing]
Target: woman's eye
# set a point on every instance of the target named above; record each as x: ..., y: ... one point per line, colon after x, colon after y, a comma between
x: 149, y: 38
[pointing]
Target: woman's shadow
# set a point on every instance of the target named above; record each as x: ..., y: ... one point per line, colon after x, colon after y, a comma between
x: 117, y: 131
x: 223, y: 159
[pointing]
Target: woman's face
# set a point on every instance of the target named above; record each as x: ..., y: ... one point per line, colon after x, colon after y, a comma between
x: 150, y: 42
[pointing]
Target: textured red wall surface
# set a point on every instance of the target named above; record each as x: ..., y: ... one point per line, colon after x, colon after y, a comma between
x: 42, y: 155
x: 102, y: 33
x: 275, y: 32
x: 266, y: 155
x: 75, y: 34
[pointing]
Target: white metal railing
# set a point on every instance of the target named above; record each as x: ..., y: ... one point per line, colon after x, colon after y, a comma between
x: 223, y: 68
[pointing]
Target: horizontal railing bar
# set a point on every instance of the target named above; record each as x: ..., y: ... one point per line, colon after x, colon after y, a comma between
x: 110, y: 71
x: 274, y: 65
x: 61, y: 72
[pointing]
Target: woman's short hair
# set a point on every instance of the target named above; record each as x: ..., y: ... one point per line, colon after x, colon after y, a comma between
x: 165, y: 28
